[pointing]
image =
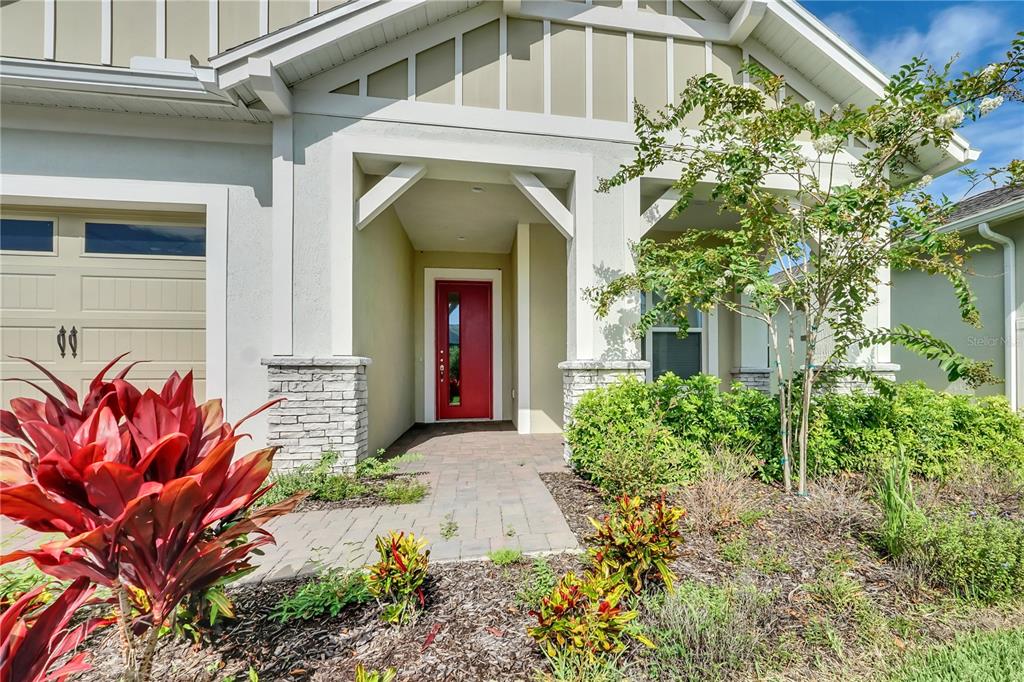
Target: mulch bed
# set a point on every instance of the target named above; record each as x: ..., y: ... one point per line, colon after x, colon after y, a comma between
x: 471, y: 629
x: 578, y: 499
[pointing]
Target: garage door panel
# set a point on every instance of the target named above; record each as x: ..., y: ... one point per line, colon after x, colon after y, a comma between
x: 151, y: 306
x: 23, y: 292
x: 139, y: 294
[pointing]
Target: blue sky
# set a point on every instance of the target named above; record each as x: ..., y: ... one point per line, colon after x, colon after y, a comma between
x: 890, y: 33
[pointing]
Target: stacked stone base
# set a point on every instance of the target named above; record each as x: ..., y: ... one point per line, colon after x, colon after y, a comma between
x: 885, y: 370
x: 580, y: 376
x: 325, y: 410
x: 753, y: 377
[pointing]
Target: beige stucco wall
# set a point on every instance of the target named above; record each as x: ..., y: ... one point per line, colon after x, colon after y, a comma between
x: 188, y: 29
x: 568, y: 70
x: 482, y: 261
x: 650, y: 71
x: 548, y: 320
x: 383, y: 322
x: 133, y: 30
x: 391, y: 82
x: 77, y: 31
x: 237, y: 22
x: 21, y: 28
x: 929, y: 302
x: 525, y: 65
x: 435, y: 74
x: 610, y: 76
x: 480, y: 67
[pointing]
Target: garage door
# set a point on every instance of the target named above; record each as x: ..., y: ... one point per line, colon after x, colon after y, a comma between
x: 77, y: 289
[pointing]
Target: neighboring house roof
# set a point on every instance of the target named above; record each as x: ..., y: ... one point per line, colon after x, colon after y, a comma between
x: 985, y: 203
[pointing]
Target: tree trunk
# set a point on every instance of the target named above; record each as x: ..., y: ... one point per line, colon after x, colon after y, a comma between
x: 787, y: 478
x: 805, y: 415
x: 128, y: 654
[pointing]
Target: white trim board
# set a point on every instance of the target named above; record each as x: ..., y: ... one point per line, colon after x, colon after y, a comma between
x: 430, y: 277
x: 523, y: 420
x: 213, y: 199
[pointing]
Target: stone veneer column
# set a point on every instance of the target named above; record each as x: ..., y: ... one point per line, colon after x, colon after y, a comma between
x: 326, y: 409
x: 580, y: 376
x: 883, y: 370
x: 753, y: 377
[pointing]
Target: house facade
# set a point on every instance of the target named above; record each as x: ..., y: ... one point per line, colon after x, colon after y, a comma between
x: 384, y: 211
x: 993, y: 220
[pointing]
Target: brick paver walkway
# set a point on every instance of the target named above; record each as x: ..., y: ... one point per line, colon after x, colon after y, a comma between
x: 482, y: 477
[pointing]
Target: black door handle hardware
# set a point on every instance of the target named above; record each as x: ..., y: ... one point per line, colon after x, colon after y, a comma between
x: 61, y: 341
x: 73, y: 342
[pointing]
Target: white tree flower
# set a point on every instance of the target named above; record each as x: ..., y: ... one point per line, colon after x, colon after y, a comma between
x: 990, y: 70
x: 720, y: 283
x: 748, y: 290
x: 990, y: 104
x: 950, y: 118
x: 811, y: 106
x: 926, y: 180
x: 835, y: 109
x: 826, y: 144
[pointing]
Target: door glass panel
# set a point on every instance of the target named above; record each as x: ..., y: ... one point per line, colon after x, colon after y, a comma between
x: 26, y: 235
x: 142, y: 240
x: 454, y: 366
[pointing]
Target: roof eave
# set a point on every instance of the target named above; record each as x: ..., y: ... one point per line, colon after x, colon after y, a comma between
x: 997, y: 214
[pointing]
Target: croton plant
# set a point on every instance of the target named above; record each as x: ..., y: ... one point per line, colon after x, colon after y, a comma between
x: 146, y: 490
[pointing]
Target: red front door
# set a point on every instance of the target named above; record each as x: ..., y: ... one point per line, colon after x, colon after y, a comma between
x: 462, y: 352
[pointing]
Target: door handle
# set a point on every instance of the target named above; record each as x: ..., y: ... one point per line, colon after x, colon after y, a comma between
x: 73, y: 342
x: 442, y: 371
x: 62, y: 341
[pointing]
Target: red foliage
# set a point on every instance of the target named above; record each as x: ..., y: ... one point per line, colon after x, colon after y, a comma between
x: 142, y: 484
x: 32, y: 642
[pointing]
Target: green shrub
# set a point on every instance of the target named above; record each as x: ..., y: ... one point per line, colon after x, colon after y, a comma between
x: 636, y: 542
x: 980, y: 657
x: 572, y: 667
x: 396, y: 580
x: 325, y: 595
x: 582, y: 616
x: 537, y: 585
x: 702, y: 632
x: 629, y: 432
x: 978, y: 557
x: 404, y: 491
x: 20, y: 577
x: 902, y: 522
x: 505, y: 556
x: 320, y: 480
x: 364, y: 675
x: 378, y: 467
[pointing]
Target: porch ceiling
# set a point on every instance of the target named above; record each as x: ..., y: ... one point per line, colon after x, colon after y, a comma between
x: 445, y: 215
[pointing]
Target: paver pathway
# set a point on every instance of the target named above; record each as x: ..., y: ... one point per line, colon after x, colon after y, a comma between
x: 482, y: 476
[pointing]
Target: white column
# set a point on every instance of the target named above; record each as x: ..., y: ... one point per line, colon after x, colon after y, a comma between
x: 341, y: 215
x: 523, y: 327
x: 282, y: 236
x: 580, y: 336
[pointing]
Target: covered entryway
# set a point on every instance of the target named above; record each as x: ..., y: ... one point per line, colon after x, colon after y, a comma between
x: 78, y: 287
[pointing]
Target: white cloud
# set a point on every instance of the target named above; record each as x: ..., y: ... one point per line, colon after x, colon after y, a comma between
x: 964, y: 29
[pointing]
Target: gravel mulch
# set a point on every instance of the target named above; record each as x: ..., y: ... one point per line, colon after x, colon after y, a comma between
x: 472, y: 629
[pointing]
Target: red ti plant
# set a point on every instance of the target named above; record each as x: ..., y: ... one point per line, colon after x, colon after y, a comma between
x: 33, y: 641
x: 146, y: 490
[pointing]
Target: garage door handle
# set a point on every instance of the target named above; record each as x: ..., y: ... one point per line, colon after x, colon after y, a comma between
x: 61, y: 342
x: 73, y: 342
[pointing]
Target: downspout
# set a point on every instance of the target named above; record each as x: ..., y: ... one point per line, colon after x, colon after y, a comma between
x: 1010, y: 308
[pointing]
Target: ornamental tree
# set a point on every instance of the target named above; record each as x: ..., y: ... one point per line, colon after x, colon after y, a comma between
x: 146, y: 490
x: 812, y: 245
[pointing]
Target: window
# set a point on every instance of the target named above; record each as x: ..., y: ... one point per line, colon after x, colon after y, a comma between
x: 667, y: 351
x: 144, y: 240
x: 17, y: 234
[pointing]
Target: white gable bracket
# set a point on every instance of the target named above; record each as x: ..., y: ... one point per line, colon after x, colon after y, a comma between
x: 545, y: 202
x: 386, y: 192
x: 269, y: 87
x: 661, y: 207
x: 746, y: 19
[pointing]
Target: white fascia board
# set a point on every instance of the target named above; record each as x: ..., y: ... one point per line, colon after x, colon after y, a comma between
x: 111, y: 80
x: 596, y: 16
x: 746, y: 19
x: 545, y: 201
x: 387, y: 191
x: 269, y: 86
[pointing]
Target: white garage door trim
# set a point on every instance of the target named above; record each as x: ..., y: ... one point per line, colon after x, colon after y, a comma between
x: 104, y: 193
